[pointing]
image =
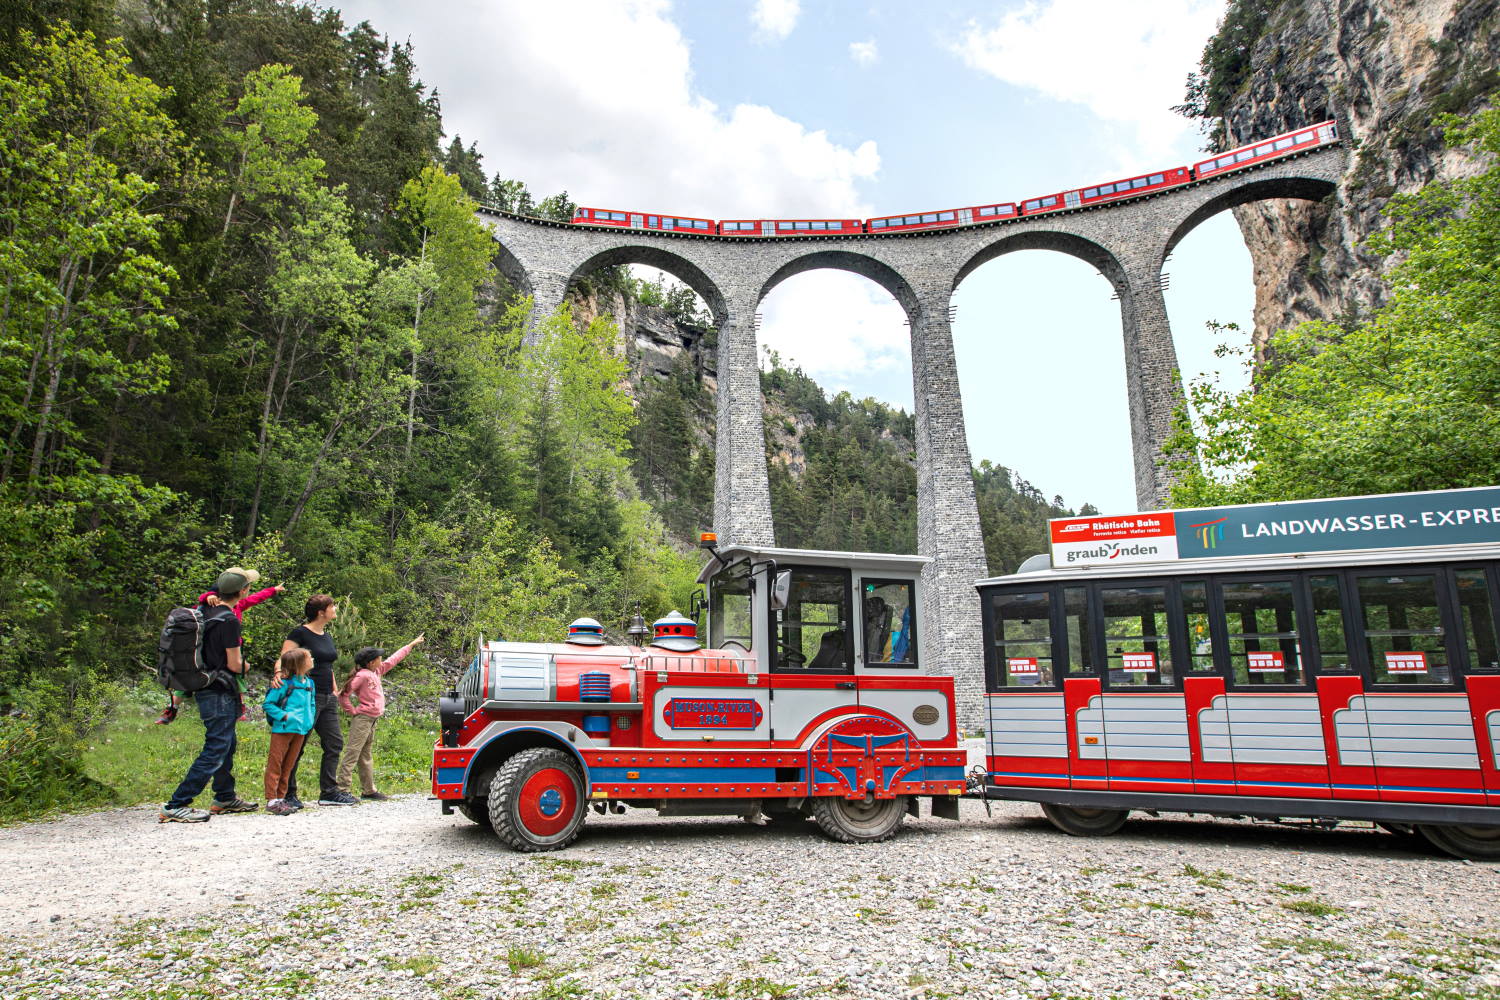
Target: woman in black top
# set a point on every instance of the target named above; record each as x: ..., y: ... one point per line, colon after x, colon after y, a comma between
x: 313, y: 636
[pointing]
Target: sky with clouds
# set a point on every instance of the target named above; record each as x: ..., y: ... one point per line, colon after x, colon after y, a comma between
x: 786, y: 108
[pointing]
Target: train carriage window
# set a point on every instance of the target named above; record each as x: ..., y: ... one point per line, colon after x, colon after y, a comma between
x: 890, y: 623
x: 1328, y: 622
x: 1032, y: 205
x: 1139, y: 182
x: 1284, y: 143
x: 945, y: 216
x: 1158, y: 178
x: 1402, y: 622
x: 1138, y: 650
x: 729, y: 607
x: 1199, y: 632
x: 930, y: 217
x: 812, y: 631
x: 1477, y: 617
x: 986, y: 210
x: 1091, y: 192
x: 1263, y: 150
x: 877, y: 224
x: 1023, y: 638
x: 913, y: 220
x: 1260, y: 619
x: 804, y: 226
x: 1080, y: 634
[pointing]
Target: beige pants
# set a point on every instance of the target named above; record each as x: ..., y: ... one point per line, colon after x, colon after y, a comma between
x: 359, y: 748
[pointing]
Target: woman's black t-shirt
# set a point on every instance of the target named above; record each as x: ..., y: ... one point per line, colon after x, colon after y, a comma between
x: 323, y: 653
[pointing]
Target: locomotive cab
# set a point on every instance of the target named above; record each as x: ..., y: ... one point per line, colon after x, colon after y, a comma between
x: 808, y: 701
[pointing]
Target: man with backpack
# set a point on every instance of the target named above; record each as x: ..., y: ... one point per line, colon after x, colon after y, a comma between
x: 200, y: 654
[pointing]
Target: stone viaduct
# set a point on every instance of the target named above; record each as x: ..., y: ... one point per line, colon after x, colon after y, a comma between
x: 1127, y: 242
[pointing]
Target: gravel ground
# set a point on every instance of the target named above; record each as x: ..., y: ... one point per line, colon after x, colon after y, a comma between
x: 396, y: 900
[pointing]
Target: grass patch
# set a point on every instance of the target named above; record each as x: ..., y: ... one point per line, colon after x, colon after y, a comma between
x: 419, y: 965
x: 519, y: 958
x: 1312, y: 907
x: 1308, y: 945
x: 142, y: 762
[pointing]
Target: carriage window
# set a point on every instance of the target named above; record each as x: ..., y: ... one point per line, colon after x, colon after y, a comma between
x: 945, y: 216
x: 1157, y: 178
x: 1080, y: 635
x: 812, y: 631
x: 804, y: 225
x: 1328, y: 621
x: 1137, y: 649
x: 1023, y: 638
x: 1283, y: 143
x: 986, y: 211
x: 912, y: 220
x: 1403, y: 629
x: 890, y: 623
x: 1476, y: 615
x: 1260, y: 618
x: 729, y: 607
x: 1199, y: 635
x: 878, y: 224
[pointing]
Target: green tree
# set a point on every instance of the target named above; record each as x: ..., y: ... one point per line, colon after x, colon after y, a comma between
x: 1407, y: 400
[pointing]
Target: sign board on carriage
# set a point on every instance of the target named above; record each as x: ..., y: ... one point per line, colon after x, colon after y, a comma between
x: 1396, y: 520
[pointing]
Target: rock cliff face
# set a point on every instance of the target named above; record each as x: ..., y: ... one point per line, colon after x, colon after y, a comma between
x: 1385, y: 68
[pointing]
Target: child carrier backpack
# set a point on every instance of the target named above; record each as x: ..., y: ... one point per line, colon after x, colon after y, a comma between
x: 179, y: 651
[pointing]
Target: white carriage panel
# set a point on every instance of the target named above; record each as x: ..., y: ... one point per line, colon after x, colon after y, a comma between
x: 1172, y: 753
x: 1059, y: 737
x: 1299, y: 730
x: 1352, y: 727
x: 1314, y: 758
x: 1452, y: 761
x: 691, y: 693
x: 904, y: 705
x: 1354, y: 744
x: 1356, y: 758
x: 1125, y: 741
x: 1421, y: 729
x: 1417, y: 744
x: 1271, y: 702
x: 1257, y: 717
x: 793, y: 709
x: 1059, y: 750
x: 1127, y: 727
x: 1092, y: 751
x: 1310, y: 744
x: 1028, y: 725
x: 1493, y: 720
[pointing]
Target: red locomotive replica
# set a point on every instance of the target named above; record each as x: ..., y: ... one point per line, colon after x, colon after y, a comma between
x: 1312, y: 662
x: 1276, y: 148
x: 806, y: 705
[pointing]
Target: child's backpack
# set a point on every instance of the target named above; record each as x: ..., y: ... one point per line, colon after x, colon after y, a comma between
x: 179, y: 651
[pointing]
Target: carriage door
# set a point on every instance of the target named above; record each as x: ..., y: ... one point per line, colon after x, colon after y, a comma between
x: 812, y: 656
x: 1421, y: 734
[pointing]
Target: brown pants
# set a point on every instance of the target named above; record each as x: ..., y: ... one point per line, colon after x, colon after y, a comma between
x: 359, y: 748
x: 279, y: 762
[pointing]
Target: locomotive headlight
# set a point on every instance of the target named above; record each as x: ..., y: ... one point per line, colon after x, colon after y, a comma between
x: 451, y: 716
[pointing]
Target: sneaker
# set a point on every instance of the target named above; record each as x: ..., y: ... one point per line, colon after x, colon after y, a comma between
x: 237, y: 806
x: 167, y: 715
x: 337, y: 798
x: 376, y: 796
x: 279, y: 808
x: 292, y: 802
x: 181, y: 814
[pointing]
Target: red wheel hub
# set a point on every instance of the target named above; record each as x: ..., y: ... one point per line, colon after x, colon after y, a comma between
x: 547, y: 802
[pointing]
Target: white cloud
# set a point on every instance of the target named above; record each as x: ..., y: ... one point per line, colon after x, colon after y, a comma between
x: 597, y: 97
x: 864, y: 53
x: 839, y: 327
x: 1125, y: 62
x: 775, y: 18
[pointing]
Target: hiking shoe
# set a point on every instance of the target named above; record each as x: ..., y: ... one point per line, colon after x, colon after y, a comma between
x: 167, y: 715
x: 181, y: 814
x: 338, y: 799
x: 237, y: 806
x: 279, y: 808
x: 292, y: 802
x: 376, y: 796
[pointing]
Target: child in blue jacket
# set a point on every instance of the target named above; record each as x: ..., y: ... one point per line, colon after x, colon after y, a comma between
x: 290, y: 709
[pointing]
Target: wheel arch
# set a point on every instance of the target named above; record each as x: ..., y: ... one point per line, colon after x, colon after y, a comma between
x: 504, y: 745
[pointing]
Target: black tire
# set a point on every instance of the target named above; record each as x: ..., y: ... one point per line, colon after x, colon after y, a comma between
x: 537, y: 801
x: 476, y: 811
x: 858, y: 821
x: 1473, y: 843
x: 1080, y: 822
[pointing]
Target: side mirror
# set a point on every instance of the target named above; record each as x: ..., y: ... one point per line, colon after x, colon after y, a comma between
x: 696, y: 603
x: 781, y: 590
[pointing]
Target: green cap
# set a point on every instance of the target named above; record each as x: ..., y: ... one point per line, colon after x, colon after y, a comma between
x: 233, y: 580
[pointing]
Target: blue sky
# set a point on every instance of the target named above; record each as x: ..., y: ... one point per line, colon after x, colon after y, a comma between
x: 746, y: 108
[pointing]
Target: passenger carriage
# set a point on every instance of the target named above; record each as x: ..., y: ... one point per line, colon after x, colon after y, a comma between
x: 643, y: 220
x: 1322, y: 134
x: 808, y: 703
x: 1329, y: 660
x: 790, y: 227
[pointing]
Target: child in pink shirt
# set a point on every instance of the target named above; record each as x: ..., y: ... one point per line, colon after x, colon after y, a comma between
x: 370, y: 665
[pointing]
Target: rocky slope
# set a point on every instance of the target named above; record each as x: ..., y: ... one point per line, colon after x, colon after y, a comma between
x: 1385, y: 68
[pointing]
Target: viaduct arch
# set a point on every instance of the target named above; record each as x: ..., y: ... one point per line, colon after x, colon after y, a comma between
x: 1127, y: 242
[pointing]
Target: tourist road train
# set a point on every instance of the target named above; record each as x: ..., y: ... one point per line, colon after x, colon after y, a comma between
x: 1265, y: 151
x: 1318, y: 661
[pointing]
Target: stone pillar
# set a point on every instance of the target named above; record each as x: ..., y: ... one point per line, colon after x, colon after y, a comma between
x: 950, y: 638
x: 1152, y: 380
x: 547, y: 293
x: 742, y: 487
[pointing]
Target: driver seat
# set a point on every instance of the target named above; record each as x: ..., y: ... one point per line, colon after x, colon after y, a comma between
x: 830, y: 650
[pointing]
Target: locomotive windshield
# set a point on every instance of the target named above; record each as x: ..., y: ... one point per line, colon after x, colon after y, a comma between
x: 729, y: 617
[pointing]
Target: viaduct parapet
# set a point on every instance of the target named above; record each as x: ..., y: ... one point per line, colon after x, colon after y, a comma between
x: 1127, y: 242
